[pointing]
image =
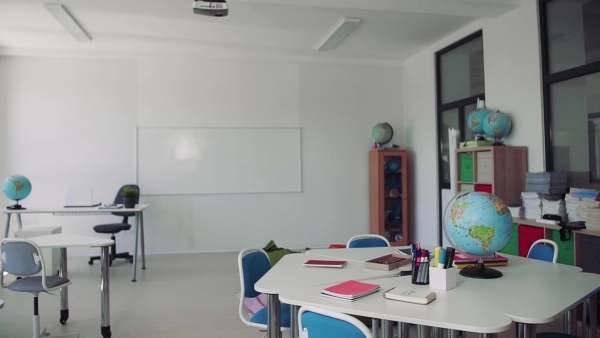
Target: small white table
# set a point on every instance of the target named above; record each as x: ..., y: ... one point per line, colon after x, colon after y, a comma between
x: 290, y: 272
x: 64, y: 241
x: 85, y: 211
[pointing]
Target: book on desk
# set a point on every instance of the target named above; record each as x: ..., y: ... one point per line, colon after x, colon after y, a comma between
x: 319, y: 263
x: 387, y: 262
x: 349, y: 290
x: 423, y: 296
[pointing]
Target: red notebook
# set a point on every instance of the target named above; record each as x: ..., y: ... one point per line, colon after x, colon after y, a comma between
x: 325, y: 264
x: 350, y: 290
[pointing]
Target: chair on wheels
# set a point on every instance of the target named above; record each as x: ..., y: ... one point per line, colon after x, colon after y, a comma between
x: 252, y: 265
x: 544, y: 250
x: 113, y: 228
x: 314, y: 322
x: 23, y: 258
x: 367, y: 241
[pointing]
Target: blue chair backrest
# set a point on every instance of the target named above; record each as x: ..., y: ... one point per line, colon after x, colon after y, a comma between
x: 542, y: 252
x: 367, y: 243
x: 254, y: 266
x: 320, y: 326
x: 20, y: 258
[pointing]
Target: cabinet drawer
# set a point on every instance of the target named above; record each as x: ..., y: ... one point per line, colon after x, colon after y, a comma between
x: 590, y: 253
x: 566, y: 250
x: 484, y: 166
x: 465, y: 161
x: 528, y: 235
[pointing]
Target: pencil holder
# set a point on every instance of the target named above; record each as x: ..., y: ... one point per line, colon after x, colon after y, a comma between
x: 420, y: 273
x: 443, y: 279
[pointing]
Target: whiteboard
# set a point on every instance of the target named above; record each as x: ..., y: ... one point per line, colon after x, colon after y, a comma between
x: 218, y: 160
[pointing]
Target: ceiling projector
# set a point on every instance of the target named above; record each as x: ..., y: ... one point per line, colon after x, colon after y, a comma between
x: 210, y: 7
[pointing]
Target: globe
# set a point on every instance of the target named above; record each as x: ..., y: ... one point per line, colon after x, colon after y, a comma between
x: 382, y: 133
x: 16, y: 188
x: 478, y: 224
x: 476, y: 119
x: 497, y: 126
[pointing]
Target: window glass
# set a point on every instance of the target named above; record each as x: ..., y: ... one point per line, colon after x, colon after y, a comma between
x: 462, y: 71
x: 573, y: 30
x: 575, y: 128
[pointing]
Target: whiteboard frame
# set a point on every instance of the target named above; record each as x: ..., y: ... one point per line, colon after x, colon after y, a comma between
x: 297, y: 186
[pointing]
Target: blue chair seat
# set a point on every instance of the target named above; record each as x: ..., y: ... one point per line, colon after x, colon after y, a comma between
x: 34, y: 284
x: 261, y: 317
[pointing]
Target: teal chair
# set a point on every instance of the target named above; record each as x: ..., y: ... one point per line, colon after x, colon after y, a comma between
x: 252, y: 265
x: 314, y: 322
x: 367, y: 241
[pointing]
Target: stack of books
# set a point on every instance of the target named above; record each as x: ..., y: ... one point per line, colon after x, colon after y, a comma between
x: 589, y: 211
x: 573, y: 199
x: 349, y: 290
x: 516, y: 211
x: 554, y: 205
x: 462, y: 261
x: 387, y: 262
x: 531, y: 205
x: 551, y: 183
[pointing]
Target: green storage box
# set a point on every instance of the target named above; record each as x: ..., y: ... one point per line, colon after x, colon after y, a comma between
x: 465, y: 161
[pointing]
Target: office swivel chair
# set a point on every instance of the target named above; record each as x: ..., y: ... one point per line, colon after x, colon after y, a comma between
x: 314, y: 322
x: 252, y: 265
x: 544, y: 250
x: 113, y: 228
x: 23, y: 258
x: 367, y: 241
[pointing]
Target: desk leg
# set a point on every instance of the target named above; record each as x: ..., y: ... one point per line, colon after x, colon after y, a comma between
x: 273, y: 316
x: 135, y: 246
x: 487, y: 335
x: 403, y: 330
x: 387, y: 328
x: 104, y: 293
x: 64, y: 292
x: 142, y: 240
x: 7, y: 226
x: 294, y: 331
x: 525, y: 330
x: 453, y: 333
x: 423, y: 331
x: 590, y: 325
x: 568, y: 323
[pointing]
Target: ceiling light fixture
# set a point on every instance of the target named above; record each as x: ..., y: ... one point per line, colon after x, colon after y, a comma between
x: 338, y: 34
x: 68, y: 21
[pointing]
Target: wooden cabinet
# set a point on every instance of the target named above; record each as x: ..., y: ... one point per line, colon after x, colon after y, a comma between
x: 388, y: 195
x: 499, y: 170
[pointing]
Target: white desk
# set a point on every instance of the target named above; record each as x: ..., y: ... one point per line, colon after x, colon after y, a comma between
x: 61, y: 211
x: 64, y: 241
x: 290, y: 273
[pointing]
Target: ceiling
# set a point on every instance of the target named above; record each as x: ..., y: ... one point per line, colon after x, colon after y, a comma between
x: 390, y: 32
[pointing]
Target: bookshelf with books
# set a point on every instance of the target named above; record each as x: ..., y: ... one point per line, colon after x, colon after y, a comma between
x: 388, y: 194
x: 499, y: 170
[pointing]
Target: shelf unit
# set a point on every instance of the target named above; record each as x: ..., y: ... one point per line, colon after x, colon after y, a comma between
x: 499, y: 170
x: 388, y: 195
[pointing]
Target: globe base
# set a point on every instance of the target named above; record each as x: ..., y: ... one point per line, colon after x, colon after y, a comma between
x: 481, y: 272
x: 15, y: 207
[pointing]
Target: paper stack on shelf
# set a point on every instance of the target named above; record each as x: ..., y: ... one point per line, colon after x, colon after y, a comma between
x: 531, y: 205
x: 554, y: 205
x: 546, y: 182
x: 571, y: 204
x: 573, y: 199
x: 516, y: 211
x: 589, y: 211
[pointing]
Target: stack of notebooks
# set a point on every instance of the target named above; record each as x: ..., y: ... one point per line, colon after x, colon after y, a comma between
x: 531, y: 205
x: 461, y: 261
x: 318, y: 263
x: 551, y: 183
x: 589, y: 211
x: 387, y: 262
x: 554, y: 205
x: 350, y: 290
x: 573, y: 200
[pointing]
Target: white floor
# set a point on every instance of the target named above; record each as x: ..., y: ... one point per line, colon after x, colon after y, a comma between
x: 179, y: 295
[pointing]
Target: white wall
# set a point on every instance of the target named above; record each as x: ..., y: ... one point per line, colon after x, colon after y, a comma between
x: 512, y: 85
x: 71, y: 122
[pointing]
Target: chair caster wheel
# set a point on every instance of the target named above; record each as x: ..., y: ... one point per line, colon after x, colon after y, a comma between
x: 63, y: 321
x: 91, y: 262
x: 131, y: 260
x: 64, y: 315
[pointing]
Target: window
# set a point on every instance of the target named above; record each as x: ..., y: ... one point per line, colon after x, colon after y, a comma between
x: 460, y: 82
x: 570, y: 38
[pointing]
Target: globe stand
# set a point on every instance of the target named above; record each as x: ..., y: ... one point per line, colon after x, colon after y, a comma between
x: 479, y: 271
x: 15, y: 207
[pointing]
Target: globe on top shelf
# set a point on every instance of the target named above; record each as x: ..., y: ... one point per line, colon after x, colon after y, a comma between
x: 382, y: 133
x: 16, y: 188
x: 485, y: 123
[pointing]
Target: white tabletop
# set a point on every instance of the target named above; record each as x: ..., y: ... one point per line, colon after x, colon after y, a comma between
x: 455, y: 309
x: 354, y: 254
x: 75, y: 210
x: 290, y: 272
x: 70, y: 240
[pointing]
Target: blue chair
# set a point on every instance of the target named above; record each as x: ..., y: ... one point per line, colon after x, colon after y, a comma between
x: 544, y: 250
x: 367, y: 241
x: 314, y: 322
x: 23, y: 258
x: 253, y: 264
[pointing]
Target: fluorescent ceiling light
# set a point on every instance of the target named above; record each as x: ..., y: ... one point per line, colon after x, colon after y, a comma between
x: 338, y: 34
x: 68, y: 21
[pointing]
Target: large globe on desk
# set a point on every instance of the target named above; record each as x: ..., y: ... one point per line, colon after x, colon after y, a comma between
x: 497, y: 126
x: 16, y: 188
x: 478, y: 224
x: 382, y: 133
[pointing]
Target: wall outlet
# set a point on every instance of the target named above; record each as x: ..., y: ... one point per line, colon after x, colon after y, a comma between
x: 30, y: 223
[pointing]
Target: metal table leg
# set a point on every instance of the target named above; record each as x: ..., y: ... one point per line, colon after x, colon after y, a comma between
x: 142, y: 240
x: 64, y: 291
x: 273, y: 316
x: 525, y: 330
x: 135, y: 247
x: 104, y: 293
x: 294, y: 331
x: 387, y: 328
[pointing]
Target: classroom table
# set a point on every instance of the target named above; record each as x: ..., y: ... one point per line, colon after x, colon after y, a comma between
x: 290, y: 272
x: 64, y: 241
x: 89, y: 211
x: 530, y: 292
